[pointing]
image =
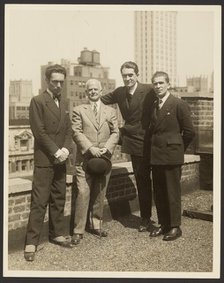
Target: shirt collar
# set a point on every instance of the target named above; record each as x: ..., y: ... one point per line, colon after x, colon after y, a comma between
x: 49, y: 92
x: 97, y: 103
x: 164, y: 98
x: 132, y: 90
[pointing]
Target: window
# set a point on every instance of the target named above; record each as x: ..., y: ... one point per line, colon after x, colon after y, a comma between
x: 24, y: 166
x: 24, y: 145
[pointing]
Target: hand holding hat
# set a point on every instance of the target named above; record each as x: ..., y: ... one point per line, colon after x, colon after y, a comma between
x: 99, y: 166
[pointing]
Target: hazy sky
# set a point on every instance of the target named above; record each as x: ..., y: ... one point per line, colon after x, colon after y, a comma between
x: 36, y: 34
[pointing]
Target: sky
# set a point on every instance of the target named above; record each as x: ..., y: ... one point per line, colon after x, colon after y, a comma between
x: 37, y: 34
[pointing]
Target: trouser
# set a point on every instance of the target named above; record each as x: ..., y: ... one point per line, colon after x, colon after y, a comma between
x: 49, y: 187
x: 141, y: 170
x: 167, y: 194
x: 90, y: 197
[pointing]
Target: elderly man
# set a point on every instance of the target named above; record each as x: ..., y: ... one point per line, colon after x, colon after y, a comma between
x: 95, y: 131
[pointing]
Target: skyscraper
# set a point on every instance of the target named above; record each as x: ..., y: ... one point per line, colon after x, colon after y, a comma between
x: 20, y: 94
x: 155, y: 44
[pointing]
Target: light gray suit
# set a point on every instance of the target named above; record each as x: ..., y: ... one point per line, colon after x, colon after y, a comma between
x: 88, y: 131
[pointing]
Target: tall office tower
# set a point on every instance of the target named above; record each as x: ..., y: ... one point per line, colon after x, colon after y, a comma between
x: 20, y: 91
x: 20, y: 94
x: 155, y: 44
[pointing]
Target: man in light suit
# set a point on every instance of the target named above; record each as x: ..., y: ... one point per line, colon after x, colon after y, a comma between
x: 95, y: 131
x: 170, y: 131
x: 130, y: 99
x: 51, y: 127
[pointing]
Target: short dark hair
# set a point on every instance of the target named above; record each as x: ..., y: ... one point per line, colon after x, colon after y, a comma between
x: 161, y: 74
x: 130, y: 65
x: 54, y: 69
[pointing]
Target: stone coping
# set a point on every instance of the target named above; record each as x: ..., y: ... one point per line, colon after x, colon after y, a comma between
x: 20, y: 185
x: 197, y: 95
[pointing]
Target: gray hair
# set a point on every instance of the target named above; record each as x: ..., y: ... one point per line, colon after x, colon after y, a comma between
x: 93, y: 81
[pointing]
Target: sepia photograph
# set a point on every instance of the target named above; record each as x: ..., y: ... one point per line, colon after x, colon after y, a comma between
x: 112, y: 137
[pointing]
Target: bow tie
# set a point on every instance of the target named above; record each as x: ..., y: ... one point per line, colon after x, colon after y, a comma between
x: 57, y: 96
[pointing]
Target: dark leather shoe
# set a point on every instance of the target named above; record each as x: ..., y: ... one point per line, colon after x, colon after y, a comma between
x: 76, y: 238
x: 29, y: 252
x: 173, y: 234
x: 98, y: 232
x: 64, y: 244
x: 158, y: 231
x: 144, y: 225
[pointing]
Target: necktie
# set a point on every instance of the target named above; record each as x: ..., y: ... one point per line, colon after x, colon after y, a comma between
x: 129, y: 98
x: 159, y: 103
x: 95, y: 109
x: 154, y: 114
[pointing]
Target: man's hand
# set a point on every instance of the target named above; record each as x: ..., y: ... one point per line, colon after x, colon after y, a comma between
x: 95, y: 151
x: 103, y: 150
x: 62, y: 154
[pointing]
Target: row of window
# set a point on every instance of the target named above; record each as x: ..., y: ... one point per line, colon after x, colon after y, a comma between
x: 22, y: 108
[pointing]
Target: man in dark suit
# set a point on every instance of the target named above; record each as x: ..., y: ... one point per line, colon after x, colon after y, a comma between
x: 170, y: 133
x: 130, y: 99
x: 51, y: 127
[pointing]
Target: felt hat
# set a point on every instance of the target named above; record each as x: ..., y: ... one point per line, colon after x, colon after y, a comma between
x: 98, y: 166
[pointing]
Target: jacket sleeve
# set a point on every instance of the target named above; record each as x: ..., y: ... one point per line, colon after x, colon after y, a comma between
x: 185, y: 122
x: 110, y: 98
x: 38, y: 128
x: 78, y: 136
x: 114, y: 132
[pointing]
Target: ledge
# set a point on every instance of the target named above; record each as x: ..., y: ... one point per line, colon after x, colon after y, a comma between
x: 22, y: 185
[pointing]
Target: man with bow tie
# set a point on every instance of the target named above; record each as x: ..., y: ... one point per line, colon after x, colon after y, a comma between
x: 95, y: 131
x: 51, y: 127
x: 131, y: 98
x: 170, y: 131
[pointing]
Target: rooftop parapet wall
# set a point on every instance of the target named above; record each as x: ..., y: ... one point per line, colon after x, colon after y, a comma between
x: 121, y: 188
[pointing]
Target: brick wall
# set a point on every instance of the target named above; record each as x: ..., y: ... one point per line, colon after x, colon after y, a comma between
x: 121, y: 187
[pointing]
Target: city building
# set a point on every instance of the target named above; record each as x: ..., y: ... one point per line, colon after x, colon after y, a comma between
x: 156, y: 44
x: 197, y: 84
x: 20, y: 94
x: 20, y: 149
x: 212, y: 83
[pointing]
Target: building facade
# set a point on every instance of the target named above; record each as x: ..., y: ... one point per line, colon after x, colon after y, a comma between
x: 20, y: 94
x: 20, y: 148
x: 197, y: 84
x: 156, y: 44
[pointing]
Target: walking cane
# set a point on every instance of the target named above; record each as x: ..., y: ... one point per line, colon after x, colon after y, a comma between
x: 101, y: 204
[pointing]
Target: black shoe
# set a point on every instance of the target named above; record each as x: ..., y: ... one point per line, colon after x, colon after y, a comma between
x: 29, y: 253
x: 64, y: 244
x: 76, y: 238
x: 98, y: 232
x: 173, y: 234
x: 158, y: 231
x: 144, y: 225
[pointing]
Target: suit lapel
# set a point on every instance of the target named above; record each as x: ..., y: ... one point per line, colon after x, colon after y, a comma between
x: 166, y: 108
x: 136, y: 98
x: 90, y: 115
x: 103, y: 114
x: 51, y: 105
x: 63, y: 113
